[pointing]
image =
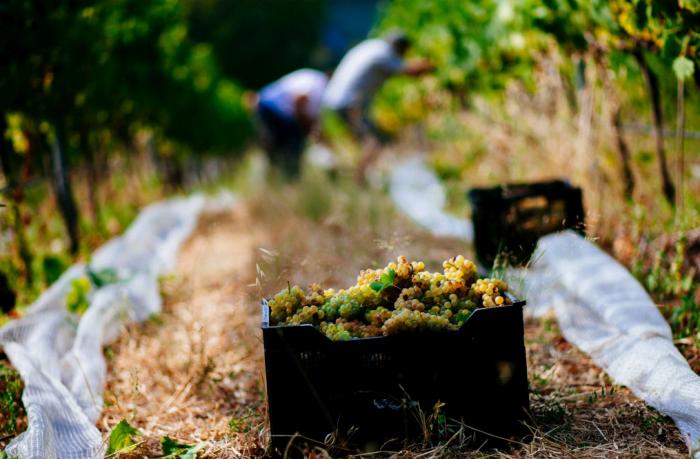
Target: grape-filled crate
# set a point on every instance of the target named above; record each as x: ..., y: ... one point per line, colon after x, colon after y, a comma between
x: 403, y: 356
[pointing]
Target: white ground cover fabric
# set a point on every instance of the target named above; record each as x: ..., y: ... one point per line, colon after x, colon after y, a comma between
x: 59, y: 355
x: 600, y: 307
x: 417, y: 191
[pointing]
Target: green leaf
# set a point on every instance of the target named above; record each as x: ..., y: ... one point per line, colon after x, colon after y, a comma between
x: 385, y: 280
x: 388, y: 278
x: 174, y: 449
x: 102, y: 277
x: 192, y: 452
x: 171, y: 447
x: 121, y: 439
x: 683, y: 68
x: 77, y: 297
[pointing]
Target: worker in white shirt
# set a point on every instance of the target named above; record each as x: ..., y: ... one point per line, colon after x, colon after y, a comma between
x: 358, y: 77
x: 287, y: 110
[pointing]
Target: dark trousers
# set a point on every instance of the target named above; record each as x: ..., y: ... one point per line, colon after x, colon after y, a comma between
x: 282, y: 138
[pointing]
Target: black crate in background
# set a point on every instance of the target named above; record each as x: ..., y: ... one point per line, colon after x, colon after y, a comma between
x: 509, y: 219
x: 372, y: 390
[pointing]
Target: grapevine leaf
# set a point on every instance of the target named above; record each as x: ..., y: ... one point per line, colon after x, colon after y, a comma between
x: 77, y: 298
x: 192, y: 452
x: 171, y: 447
x: 683, y: 67
x: 388, y: 278
x: 174, y: 449
x: 102, y: 277
x: 121, y: 439
x: 385, y: 280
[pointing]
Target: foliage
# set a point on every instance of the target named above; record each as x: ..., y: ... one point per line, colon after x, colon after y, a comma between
x: 671, y: 29
x: 11, y: 407
x: 112, y: 64
x: 472, y: 44
x: 82, y: 80
x: 481, y: 46
x: 102, y: 277
x: 174, y: 449
x: 386, y: 280
x: 121, y: 438
x: 685, y: 319
x: 257, y: 42
x: 77, y: 300
x: 666, y: 278
x: 52, y: 266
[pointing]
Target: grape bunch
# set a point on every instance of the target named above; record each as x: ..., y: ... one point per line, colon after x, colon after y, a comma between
x: 401, y: 297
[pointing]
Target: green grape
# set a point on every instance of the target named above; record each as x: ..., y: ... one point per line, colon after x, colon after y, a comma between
x: 487, y: 293
x: 377, y: 316
x: 306, y: 315
x: 461, y: 317
x: 411, y: 321
x: 285, y: 303
x: 350, y: 309
x: 410, y: 300
x: 315, y: 296
x: 335, y: 332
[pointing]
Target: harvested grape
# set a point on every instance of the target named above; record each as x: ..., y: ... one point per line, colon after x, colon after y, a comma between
x: 402, y: 297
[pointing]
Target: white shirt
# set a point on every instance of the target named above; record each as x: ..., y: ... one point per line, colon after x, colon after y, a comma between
x: 281, y: 95
x: 361, y: 73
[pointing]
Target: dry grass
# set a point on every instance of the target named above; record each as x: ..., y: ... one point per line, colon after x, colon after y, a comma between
x: 196, y: 373
x: 527, y: 137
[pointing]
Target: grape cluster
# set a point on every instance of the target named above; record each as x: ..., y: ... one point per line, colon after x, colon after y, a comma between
x: 402, y: 297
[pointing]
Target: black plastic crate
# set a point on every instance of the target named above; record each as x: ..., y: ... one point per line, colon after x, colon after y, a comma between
x: 509, y: 219
x: 371, y: 392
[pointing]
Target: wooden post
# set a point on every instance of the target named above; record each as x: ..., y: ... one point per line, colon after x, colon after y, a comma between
x: 652, y: 81
x: 62, y: 188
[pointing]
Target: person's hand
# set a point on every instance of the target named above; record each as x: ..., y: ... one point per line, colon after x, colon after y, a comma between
x: 421, y: 67
x: 250, y: 100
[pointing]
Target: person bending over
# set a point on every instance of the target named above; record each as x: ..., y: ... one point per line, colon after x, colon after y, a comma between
x: 287, y: 110
x: 358, y: 77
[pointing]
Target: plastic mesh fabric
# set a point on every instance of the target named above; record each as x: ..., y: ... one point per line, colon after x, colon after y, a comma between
x: 600, y: 306
x: 416, y: 190
x: 59, y: 355
x: 603, y: 310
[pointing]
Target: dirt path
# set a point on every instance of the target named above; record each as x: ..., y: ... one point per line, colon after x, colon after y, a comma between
x: 195, y: 373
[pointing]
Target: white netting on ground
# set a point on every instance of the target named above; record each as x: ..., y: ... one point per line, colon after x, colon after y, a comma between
x: 417, y: 191
x: 600, y: 306
x: 59, y: 355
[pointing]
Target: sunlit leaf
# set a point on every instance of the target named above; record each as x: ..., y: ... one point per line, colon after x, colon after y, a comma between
x: 683, y: 68
x: 121, y: 439
x: 174, y: 449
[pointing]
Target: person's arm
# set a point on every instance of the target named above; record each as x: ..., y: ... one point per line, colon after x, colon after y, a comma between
x: 394, y: 65
x: 418, y: 68
x: 301, y: 103
x: 250, y: 100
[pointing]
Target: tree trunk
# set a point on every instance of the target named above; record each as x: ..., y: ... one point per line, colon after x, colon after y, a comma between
x: 624, y: 152
x: 657, y: 114
x: 62, y: 187
x: 680, y: 143
x: 616, y: 122
x: 92, y: 177
x: 569, y: 92
x: 14, y: 193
